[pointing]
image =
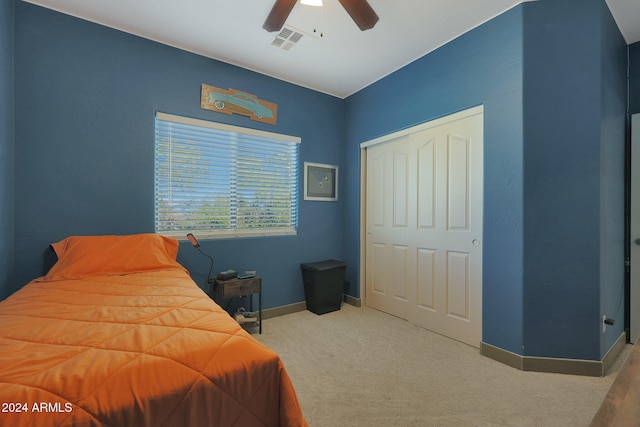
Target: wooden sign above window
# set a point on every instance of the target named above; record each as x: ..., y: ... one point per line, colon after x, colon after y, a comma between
x: 231, y: 101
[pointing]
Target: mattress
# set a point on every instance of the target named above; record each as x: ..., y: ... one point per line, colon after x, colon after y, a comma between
x: 134, y: 348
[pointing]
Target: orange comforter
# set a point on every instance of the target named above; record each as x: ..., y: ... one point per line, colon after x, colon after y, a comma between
x: 141, y: 349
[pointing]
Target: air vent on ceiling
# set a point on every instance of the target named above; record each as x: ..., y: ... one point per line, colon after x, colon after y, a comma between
x: 291, y: 39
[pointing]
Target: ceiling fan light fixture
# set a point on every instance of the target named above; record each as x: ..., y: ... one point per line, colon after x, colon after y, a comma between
x: 360, y: 11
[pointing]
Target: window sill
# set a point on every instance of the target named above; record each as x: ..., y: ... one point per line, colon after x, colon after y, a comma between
x: 207, y: 234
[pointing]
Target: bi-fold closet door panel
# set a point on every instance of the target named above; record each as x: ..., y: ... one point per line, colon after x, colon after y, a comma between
x: 424, y: 226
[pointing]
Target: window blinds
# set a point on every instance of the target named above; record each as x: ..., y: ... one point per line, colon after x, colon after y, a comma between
x: 222, y: 180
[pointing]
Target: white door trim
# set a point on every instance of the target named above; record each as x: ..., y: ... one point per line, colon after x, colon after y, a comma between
x: 363, y: 224
x: 634, y: 233
x: 427, y: 125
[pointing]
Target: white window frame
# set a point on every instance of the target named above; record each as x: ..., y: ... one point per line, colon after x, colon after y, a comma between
x: 163, y: 157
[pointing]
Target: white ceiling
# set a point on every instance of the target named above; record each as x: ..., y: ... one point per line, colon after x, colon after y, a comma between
x: 341, y: 62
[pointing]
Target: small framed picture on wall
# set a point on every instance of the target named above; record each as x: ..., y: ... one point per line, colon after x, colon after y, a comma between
x: 320, y: 182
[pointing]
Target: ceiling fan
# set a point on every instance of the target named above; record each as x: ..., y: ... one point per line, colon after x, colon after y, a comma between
x: 360, y: 11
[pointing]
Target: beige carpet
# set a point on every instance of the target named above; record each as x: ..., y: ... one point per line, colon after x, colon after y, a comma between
x: 361, y: 367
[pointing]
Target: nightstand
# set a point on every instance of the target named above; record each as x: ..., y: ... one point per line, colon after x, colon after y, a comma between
x: 233, y: 288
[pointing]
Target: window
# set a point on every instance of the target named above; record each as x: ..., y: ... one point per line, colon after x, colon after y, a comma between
x: 217, y: 180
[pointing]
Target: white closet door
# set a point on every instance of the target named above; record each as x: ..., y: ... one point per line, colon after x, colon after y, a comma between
x: 424, y: 226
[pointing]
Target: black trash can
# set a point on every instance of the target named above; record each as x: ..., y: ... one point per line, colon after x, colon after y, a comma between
x: 323, y: 282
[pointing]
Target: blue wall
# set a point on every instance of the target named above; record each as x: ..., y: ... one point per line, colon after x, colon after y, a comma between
x: 6, y: 141
x: 634, y: 78
x: 575, y: 101
x: 551, y: 76
x: 612, y: 177
x: 86, y: 96
x: 483, y: 66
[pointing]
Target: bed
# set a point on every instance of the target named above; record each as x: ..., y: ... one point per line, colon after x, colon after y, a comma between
x: 118, y: 334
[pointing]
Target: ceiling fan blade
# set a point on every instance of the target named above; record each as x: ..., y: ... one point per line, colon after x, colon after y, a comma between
x: 278, y: 15
x: 361, y: 12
